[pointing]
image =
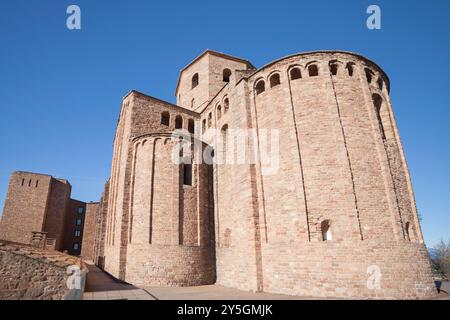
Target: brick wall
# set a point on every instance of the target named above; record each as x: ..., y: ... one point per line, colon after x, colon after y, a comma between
x: 87, y: 247
x: 25, y: 206
x: 338, y: 201
x: 100, y: 229
x: 58, y: 203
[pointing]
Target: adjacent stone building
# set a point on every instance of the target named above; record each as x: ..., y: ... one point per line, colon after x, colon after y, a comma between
x: 38, y: 207
x: 289, y: 178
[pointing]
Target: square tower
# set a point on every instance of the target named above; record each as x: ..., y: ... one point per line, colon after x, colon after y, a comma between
x: 204, y: 77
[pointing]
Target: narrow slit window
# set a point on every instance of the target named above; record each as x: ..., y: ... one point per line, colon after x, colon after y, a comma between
x: 333, y: 69
x: 368, y: 75
x: 226, y: 104
x: 195, y: 80
x: 326, y: 231
x: 187, y: 174
x: 350, y: 69
x: 178, y: 122
x: 380, y: 84
x: 407, y: 231
x: 378, y: 101
x: 219, y: 112
x: 191, y: 126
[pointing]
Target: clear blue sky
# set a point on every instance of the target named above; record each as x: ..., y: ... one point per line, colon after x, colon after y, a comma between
x: 60, y: 90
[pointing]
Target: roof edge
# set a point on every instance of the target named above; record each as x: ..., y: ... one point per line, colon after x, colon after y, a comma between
x: 360, y: 56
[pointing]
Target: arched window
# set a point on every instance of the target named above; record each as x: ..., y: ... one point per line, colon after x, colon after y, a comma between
x: 224, y: 132
x: 380, y: 83
x: 378, y: 101
x: 295, y: 73
x: 219, y: 111
x: 313, y: 71
x: 226, y: 75
x: 178, y: 122
x: 326, y: 230
x: 368, y: 75
x: 350, y: 69
x: 165, y: 118
x: 226, y: 104
x: 333, y: 69
x: 260, y: 87
x: 274, y: 80
x: 407, y: 227
x: 203, y: 125
x: 209, y: 119
x: 194, y: 80
x: 191, y: 126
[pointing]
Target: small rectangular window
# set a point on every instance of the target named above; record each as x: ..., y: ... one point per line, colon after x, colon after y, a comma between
x: 187, y: 174
x: 77, y: 233
x: 76, y: 246
x: 78, y: 222
x: 80, y: 210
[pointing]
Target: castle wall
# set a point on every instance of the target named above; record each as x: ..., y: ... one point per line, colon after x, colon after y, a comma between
x: 87, y: 245
x: 25, y: 206
x: 236, y: 205
x: 55, y: 218
x: 117, y: 192
x: 170, y: 222
x: 151, y: 192
x: 100, y: 228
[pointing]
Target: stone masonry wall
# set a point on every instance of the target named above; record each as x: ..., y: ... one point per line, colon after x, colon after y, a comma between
x: 58, y: 204
x: 28, y: 273
x: 25, y: 206
x: 338, y: 200
x: 100, y: 229
x: 87, y: 246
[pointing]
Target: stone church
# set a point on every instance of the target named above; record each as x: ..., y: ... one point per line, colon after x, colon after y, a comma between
x: 333, y: 215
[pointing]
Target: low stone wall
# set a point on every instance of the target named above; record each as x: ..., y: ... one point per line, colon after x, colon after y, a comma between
x: 28, y: 273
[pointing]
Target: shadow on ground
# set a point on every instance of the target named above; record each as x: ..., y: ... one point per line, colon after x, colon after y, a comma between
x: 102, y: 286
